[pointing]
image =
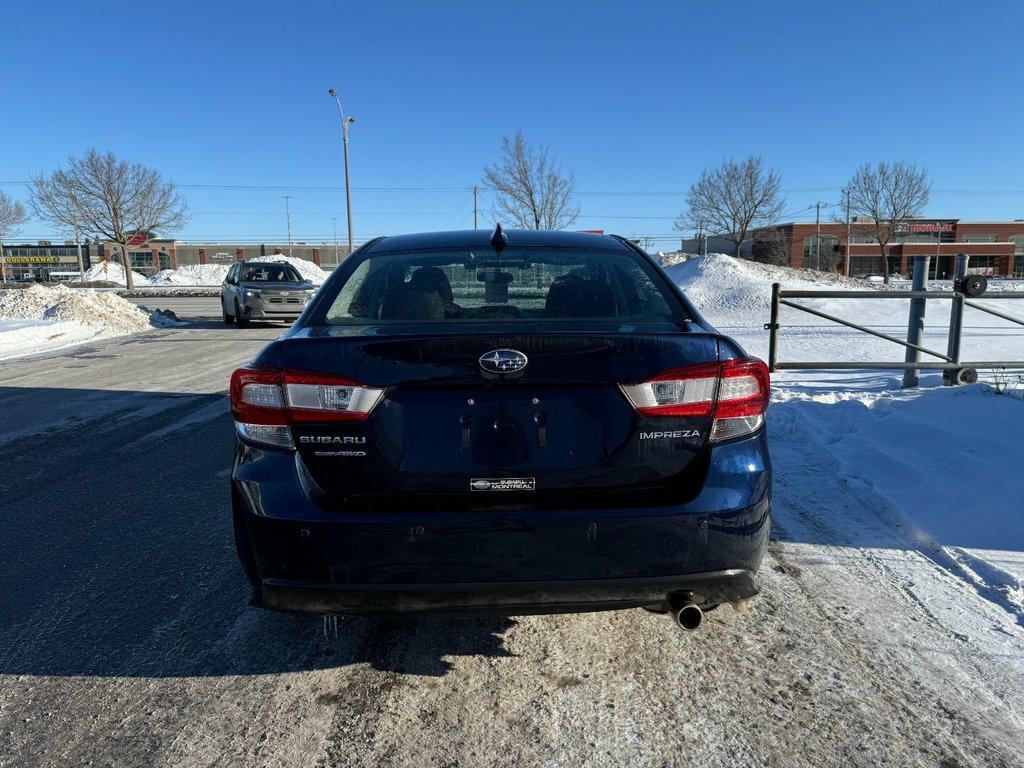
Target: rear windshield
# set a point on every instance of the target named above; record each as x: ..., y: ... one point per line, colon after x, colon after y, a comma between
x: 460, y: 286
x: 270, y: 273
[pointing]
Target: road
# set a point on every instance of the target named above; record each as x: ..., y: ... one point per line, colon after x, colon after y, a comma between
x: 126, y: 640
x: 185, y: 307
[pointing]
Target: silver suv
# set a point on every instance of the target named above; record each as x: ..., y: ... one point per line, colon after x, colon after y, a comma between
x: 263, y: 290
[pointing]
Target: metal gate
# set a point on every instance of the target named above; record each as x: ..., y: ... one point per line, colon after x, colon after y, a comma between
x: 955, y: 370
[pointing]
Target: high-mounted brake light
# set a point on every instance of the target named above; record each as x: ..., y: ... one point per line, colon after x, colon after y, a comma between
x: 266, y: 401
x: 734, y: 393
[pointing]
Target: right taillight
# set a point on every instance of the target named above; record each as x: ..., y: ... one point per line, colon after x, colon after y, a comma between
x: 266, y: 401
x: 734, y: 393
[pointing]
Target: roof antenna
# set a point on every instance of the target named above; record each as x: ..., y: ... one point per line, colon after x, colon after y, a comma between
x: 499, y: 239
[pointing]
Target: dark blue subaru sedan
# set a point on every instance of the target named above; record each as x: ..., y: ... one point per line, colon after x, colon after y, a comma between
x: 501, y: 423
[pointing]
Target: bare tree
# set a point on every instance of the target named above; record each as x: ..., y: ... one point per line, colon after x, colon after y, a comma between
x: 773, y: 245
x: 12, y: 215
x: 60, y: 211
x: 882, y: 198
x: 532, y: 192
x: 112, y: 199
x: 731, y: 199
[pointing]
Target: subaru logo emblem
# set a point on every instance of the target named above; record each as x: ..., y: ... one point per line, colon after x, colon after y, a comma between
x: 503, y: 362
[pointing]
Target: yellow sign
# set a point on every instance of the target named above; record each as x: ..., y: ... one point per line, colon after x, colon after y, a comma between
x: 33, y: 259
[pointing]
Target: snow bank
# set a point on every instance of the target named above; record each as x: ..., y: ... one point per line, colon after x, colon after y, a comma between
x: 58, y: 316
x: 307, y: 269
x: 214, y: 274
x: 114, y: 274
x: 192, y: 274
x: 718, y: 284
x: 735, y: 296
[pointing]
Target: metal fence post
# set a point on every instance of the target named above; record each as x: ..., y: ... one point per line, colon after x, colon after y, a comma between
x: 956, y: 321
x: 773, y: 328
x: 915, y: 323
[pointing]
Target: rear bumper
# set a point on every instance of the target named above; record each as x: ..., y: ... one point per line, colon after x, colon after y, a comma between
x: 500, y: 561
x: 504, y: 599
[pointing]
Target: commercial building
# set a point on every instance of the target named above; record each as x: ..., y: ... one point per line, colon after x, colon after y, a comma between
x: 171, y: 254
x: 996, y: 248
x: 45, y: 261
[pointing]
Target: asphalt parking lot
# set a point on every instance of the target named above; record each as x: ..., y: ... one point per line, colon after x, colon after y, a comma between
x: 126, y: 639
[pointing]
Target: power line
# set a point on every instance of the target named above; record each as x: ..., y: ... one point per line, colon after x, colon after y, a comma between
x: 582, y: 193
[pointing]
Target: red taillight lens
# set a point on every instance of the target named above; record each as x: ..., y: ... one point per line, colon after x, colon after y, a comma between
x: 265, y: 401
x: 256, y: 396
x: 743, y: 390
x: 735, y: 393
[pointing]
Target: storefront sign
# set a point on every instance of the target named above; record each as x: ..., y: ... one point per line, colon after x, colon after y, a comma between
x: 905, y: 228
x: 37, y: 260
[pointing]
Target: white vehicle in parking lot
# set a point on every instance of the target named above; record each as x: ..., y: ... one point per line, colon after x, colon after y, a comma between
x: 265, y: 290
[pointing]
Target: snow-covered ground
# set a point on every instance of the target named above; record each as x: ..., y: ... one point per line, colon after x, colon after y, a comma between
x: 941, y: 465
x: 50, y: 318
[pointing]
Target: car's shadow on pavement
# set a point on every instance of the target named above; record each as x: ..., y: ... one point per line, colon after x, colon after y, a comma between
x: 117, y: 557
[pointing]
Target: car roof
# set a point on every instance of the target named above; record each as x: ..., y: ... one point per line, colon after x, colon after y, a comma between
x: 481, y: 238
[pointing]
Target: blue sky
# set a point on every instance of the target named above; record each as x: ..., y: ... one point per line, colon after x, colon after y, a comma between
x: 634, y: 98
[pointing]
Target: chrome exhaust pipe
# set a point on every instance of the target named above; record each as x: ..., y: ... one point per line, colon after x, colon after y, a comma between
x: 686, y: 614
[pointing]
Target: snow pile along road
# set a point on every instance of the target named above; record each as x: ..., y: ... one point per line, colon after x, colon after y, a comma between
x: 725, y: 286
x: 214, y: 274
x: 735, y: 296
x: 307, y: 269
x: 43, y: 318
x: 192, y: 274
x: 113, y: 273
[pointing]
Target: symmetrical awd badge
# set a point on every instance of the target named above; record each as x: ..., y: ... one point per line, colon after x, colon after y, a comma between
x: 503, y: 362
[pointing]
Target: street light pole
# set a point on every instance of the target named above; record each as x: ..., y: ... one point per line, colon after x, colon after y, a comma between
x: 344, y: 131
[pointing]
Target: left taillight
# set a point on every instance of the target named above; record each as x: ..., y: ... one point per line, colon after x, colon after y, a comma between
x: 734, y: 393
x: 266, y: 402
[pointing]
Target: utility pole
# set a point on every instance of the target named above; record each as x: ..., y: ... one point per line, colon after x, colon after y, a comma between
x: 334, y: 223
x: 846, y: 271
x: 817, y: 236
x: 476, y: 192
x: 78, y: 244
x: 288, y: 213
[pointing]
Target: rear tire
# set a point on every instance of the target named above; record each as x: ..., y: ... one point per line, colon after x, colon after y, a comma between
x: 228, y: 319
x: 241, y: 322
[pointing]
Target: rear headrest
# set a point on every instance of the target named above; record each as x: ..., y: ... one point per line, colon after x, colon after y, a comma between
x: 407, y: 303
x: 579, y: 298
